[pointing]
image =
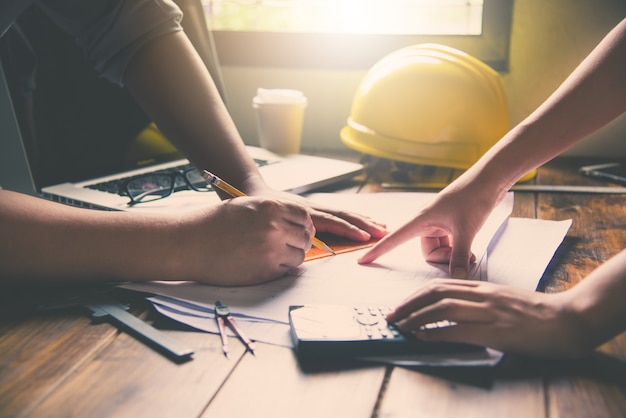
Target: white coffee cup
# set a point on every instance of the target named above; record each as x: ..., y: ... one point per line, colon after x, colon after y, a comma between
x: 280, y: 115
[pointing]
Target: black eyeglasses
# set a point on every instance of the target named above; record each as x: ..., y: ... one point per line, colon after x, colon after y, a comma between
x: 155, y: 186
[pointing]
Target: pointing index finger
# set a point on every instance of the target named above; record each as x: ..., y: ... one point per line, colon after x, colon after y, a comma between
x: 409, y: 230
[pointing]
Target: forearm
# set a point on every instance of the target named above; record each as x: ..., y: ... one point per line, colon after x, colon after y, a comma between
x: 598, y: 303
x: 46, y: 241
x: 592, y: 96
x: 172, y: 84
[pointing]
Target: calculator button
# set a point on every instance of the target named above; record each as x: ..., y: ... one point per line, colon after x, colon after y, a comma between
x: 384, y: 310
x: 376, y: 335
x: 367, y: 319
x: 385, y: 332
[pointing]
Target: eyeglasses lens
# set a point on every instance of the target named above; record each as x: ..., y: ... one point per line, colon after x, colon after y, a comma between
x: 197, y: 182
x: 148, y: 188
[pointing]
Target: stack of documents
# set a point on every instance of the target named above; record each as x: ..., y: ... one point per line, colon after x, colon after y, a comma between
x: 510, y: 251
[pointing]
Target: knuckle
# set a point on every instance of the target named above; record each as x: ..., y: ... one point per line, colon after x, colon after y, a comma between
x: 268, y: 205
x: 436, y: 287
x: 342, y: 214
x: 446, y: 304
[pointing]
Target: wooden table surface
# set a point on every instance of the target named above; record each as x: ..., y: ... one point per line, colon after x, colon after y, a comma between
x: 60, y: 364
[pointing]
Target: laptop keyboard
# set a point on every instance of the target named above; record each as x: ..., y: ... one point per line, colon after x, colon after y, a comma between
x: 116, y: 186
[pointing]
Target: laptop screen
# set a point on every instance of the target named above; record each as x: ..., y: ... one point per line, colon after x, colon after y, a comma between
x: 14, y: 168
x: 74, y: 125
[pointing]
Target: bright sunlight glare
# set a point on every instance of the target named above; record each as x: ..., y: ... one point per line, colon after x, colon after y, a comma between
x: 435, y: 17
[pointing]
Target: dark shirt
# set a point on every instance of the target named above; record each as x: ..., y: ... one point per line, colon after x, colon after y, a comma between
x: 65, y: 72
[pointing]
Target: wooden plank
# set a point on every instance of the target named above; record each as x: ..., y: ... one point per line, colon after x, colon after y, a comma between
x: 524, y: 205
x: 39, y: 350
x: 37, y: 354
x: 573, y: 397
x: 593, y: 386
x: 128, y: 379
x: 270, y: 384
x: 595, y: 236
x: 597, y: 231
x: 413, y: 393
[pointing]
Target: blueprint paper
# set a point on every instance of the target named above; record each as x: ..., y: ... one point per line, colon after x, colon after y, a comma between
x: 517, y: 257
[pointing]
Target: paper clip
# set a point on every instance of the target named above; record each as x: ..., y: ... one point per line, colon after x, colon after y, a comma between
x: 224, y: 317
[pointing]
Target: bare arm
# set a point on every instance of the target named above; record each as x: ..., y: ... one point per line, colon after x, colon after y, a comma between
x: 592, y: 96
x: 46, y: 241
x: 171, y: 83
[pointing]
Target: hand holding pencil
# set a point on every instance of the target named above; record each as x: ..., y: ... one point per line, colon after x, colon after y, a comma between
x: 215, y: 181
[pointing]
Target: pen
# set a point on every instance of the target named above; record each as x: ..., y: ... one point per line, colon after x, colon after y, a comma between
x: 213, y: 180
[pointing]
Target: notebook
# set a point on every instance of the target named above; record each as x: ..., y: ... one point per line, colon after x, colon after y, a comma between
x: 296, y: 173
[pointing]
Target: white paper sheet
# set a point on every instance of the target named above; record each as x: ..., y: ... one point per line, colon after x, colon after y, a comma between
x: 522, y: 250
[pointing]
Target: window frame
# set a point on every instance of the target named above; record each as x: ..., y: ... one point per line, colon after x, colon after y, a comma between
x: 360, y: 51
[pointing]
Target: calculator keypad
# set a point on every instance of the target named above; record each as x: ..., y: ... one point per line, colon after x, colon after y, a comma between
x: 372, y: 320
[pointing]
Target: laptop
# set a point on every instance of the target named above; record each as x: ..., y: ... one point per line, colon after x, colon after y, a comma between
x: 296, y: 173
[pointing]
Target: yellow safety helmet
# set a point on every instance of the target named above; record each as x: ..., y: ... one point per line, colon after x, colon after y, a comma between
x: 428, y: 104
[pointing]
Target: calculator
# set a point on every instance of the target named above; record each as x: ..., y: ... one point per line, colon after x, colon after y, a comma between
x: 350, y: 332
